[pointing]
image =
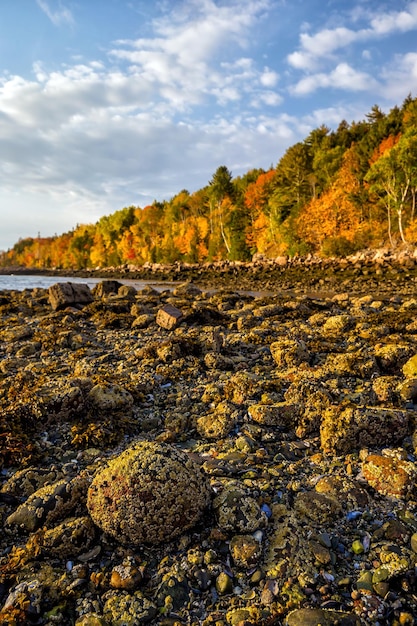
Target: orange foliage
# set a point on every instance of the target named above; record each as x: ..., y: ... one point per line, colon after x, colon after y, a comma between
x: 386, y: 144
x: 333, y: 214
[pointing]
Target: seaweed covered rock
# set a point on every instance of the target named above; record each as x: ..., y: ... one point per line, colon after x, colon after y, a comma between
x: 150, y: 493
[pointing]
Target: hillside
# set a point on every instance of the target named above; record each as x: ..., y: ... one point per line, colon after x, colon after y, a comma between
x: 332, y: 194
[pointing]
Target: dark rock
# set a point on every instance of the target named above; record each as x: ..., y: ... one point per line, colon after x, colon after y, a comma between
x: 62, y: 295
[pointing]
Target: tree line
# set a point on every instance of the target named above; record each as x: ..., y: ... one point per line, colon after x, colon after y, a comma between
x: 332, y: 194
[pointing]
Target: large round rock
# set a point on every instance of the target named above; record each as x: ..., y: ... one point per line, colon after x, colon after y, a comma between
x: 150, y: 493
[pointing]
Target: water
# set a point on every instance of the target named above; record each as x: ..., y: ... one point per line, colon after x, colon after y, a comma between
x: 20, y: 282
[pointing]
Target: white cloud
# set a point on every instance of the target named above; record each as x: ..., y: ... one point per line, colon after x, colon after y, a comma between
x: 342, y: 77
x: 186, y: 55
x: 88, y: 138
x: 326, y: 42
x: 395, y: 21
x: 58, y: 16
x: 269, y: 78
x: 400, y: 77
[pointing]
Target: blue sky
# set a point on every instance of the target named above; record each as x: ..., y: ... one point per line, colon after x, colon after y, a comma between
x: 109, y: 103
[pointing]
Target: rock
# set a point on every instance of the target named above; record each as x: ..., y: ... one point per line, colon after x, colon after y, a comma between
x: 62, y: 295
x: 126, y: 608
x: 392, y: 357
x: 106, y: 287
x: 410, y: 367
x: 143, y: 321
x: 50, y: 503
x: 289, y: 352
x: 224, y: 583
x: 238, y: 512
x: 71, y: 538
x: 26, y: 481
x: 168, y: 317
x: 245, y: 550
x: 219, y: 423
x: 390, y: 476
x: 126, y: 576
x: 321, y: 617
x: 344, y: 429
x: 187, y: 289
x: 149, y: 494
x: 127, y: 291
x: 282, y: 414
x: 318, y: 507
x: 109, y: 397
x: 249, y: 616
x: 408, y: 390
x: 337, y: 324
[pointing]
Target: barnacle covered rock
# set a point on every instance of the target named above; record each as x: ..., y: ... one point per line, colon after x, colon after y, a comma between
x: 390, y: 476
x: 345, y: 428
x: 50, y: 503
x: 150, y: 493
x: 289, y: 352
x: 238, y: 512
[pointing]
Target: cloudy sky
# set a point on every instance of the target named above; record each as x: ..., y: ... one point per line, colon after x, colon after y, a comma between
x: 109, y: 103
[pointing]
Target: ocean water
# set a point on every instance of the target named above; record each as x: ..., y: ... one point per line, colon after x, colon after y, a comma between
x: 20, y: 282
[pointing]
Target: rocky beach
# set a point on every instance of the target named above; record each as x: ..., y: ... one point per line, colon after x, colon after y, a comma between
x: 238, y: 450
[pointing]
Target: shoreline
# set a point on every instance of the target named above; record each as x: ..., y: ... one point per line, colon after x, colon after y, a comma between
x: 300, y: 412
x: 381, y: 271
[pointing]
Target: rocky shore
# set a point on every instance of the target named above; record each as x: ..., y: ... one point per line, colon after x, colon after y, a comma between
x: 383, y: 270
x: 212, y: 458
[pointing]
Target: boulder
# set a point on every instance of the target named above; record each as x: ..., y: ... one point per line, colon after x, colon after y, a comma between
x: 150, y: 493
x: 62, y: 295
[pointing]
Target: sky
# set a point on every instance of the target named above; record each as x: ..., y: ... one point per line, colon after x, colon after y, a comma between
x: 112, y: 103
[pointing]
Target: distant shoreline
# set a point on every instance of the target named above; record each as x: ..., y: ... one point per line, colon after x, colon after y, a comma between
x: 381, y: 271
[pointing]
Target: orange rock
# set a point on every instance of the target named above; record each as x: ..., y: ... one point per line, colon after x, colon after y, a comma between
x: 389, y: 476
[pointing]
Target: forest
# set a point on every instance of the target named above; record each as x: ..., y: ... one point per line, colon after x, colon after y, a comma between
x: 334, y: 193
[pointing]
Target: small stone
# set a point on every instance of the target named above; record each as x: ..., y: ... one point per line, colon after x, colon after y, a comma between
x: 256, y: 577
x: 364, y: 582
x: 380, y: 574
x: 168, y: 317
x: 110, y: 397
x: 289, y: 353
x: 245, y: 550
x: 357, y: 547
x: 381, y: 588
x: 125, y: 576
x: 224, y: 584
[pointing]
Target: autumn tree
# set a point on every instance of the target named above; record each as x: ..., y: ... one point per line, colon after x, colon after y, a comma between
x: 393, y: 178
x: 333, y: 217
x: 220, y: 189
